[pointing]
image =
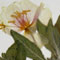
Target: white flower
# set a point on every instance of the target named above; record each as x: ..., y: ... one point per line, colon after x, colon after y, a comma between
x: 22, y: 16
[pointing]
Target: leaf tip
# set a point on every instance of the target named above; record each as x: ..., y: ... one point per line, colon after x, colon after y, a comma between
x: 11, y: 32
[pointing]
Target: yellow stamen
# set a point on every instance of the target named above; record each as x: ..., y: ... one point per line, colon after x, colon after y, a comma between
x: 23, y: 24
x: 14, y: 16
x: 18, y: 13
x: 25, y: 11
x: 11, y: 21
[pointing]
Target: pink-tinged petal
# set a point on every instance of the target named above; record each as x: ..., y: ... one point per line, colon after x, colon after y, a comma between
x: 38, y: 11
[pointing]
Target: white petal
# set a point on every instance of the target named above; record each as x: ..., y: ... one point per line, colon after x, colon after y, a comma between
x: 45, y: 16
x: 7, y: 12
x: 28, y: 36
x: 38, y: 40
x: 0, y: 19
x: 18, y: 6
x: 3, y: 15
x: 37, y: 13
x: 7, y: 30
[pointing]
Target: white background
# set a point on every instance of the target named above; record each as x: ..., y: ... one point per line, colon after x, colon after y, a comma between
x: 6, y: 41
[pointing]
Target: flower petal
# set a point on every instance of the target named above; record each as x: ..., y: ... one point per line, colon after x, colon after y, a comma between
x: 45, y: 16
x: 28, y: 36
x: 18, y: 6
x: 3, y: 16
x: 7, y: 12
x: 0, y: 19
x: 37, y: 13
x: 37, y: 39
x: 7, y: 30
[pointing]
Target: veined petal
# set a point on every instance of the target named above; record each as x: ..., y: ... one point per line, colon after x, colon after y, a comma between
x: 18, y: 6
x: 7, y: 12
x: 45, y: 16
x: 37, y: 13
x: 3, y: 16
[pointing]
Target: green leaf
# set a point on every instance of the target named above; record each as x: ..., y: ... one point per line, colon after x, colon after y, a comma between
x: 3, y: 55
x: 53, y: 38
x: 10, y: 54
x: 2, y: 58
x: 51, y: 45
x: 12, y: 51
x: 52, y: 58
x: 56, y: 37
x: 41, y: 28
x: 15, y: 52
x: 21, y: 53
x: 34, y: 59
x: 29, y: 46
x: 57, y: 25
x: 45, y: 32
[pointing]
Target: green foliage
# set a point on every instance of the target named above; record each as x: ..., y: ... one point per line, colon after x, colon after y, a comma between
x: 22, y: 47
x: 15, y: 52
x: 57, y: 25
x: 52, y: 36
x: 32, y: 50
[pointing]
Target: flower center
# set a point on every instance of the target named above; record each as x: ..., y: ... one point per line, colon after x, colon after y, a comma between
x: 20, y: 19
